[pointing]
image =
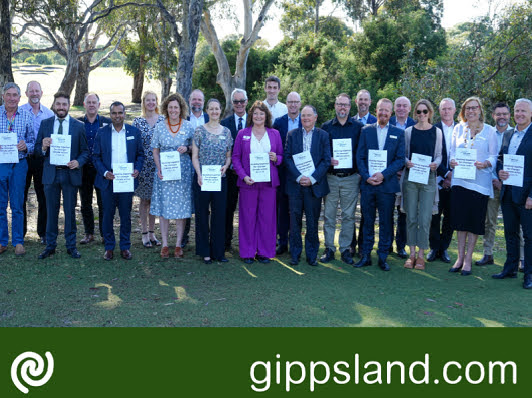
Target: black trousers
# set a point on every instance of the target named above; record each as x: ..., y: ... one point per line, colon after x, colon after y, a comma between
x: 85, y: 194
x: 304, y: 201
x: 400, y: 230
x: 232, y: 200
x: 210, y: 236
x: 440, y: 241
x: 35, y: 167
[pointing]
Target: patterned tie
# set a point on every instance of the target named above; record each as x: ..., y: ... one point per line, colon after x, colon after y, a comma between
x: 60, y: 130
x: 240, y: 123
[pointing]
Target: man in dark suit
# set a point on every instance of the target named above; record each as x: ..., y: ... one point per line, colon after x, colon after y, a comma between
x: 439, y: 241
x: 305, y: 192
x: 516, y: 202
x: 197, y: 118
x: 116, y: 143
x: 93, y: 122
x: 61, y: 178
x: 235, y: 122
x: 379, y: 188
x: 283, y: 124
x: 401, y: 107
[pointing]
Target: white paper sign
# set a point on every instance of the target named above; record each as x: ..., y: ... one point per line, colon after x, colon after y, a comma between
x: 211, y: 178
x: 171, y: 165
x: 124, y: 181
x: 377, y: 161
x: 515, y: 166
x: 343, y: 152
x: 259, y: 165
x: 304, y: 163
x: 60, y: 149
x: 8, y: 148
x: 421, y: 170
x: 466, y: 158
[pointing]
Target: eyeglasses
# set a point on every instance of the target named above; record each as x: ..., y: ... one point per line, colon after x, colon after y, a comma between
x: 342, y: 105
x: 472, y: 108
x: 420, y: 111
x: 239, y: 101
x: 293, y: 102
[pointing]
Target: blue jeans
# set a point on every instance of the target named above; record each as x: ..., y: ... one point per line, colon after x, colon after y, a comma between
x: 12, y: 184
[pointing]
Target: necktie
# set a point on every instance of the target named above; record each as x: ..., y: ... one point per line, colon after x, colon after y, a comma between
x: 60, y: 130
x: 240, y: 123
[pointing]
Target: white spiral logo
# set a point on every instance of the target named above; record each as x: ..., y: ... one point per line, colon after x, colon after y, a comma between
x: 33, y: 364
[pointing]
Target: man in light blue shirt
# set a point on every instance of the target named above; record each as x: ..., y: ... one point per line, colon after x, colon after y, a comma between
x: 35, y: 163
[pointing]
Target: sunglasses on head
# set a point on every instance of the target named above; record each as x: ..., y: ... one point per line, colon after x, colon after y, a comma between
x: 419, y: 111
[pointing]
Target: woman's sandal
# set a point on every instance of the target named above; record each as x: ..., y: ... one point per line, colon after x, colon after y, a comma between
x: 147, y: 244
x: 154, y: 241
x: 420, y: 263
x: 410, y: 263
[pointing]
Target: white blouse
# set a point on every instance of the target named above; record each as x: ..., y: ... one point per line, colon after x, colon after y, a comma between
x: 486, y: 145
x: 262, y: 146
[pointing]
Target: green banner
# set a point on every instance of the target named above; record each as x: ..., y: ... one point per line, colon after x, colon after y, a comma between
x: 153, y: 362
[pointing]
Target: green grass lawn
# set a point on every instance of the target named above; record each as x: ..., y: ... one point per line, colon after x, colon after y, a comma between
x: 148, y: 291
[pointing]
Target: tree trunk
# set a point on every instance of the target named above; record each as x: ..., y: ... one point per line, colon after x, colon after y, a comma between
x: 71, y: 71
x: 82, y: 81
x: 6, y: 73
x: 138, y: 81
x: 166, y: 86
x: 192, y: 11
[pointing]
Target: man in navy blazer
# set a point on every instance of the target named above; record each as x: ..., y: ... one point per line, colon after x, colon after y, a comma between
x: 305, y: 192
x: 116, y: 143
x: 379, y: 188
x: 283, y: 125
x: 441, y: 233
x: 516, y: 202
x: 61, y: 178
x: 235, y: 122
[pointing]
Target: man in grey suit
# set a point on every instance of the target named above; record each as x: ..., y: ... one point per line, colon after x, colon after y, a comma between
x: 61, y: 178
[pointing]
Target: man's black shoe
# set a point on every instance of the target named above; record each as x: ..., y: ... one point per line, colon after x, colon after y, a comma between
x: 294, y: 261
x: 527, y: 282
x: 328, y: 255
x: 347, y: 257
x: 365, y: 261
x: 504, y: 274
x: 384, y: 265
x: 445, y: 257
x: 281, y: 249
x: 487, y: 259
x: 432, y: 256
x: 43, y: 240
x: 74, y: 253
x: 401, y: 253
x: 46, y: 253
x: 312, y: 262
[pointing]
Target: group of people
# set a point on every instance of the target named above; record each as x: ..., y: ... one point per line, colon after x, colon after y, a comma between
x: 278, y: 165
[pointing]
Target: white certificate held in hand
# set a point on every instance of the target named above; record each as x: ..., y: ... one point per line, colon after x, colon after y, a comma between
x: 211, y: 178
x: 60, y: 149
x: 259, y: 167
x: 421, y: 170
x: 304, y: 163
x: 343, y: 152
x: 515, y: 166
x: 466, y: 159
x: 377, y: 161
x: 124, y: 181
x: 171, y: 165
x: 8, y: 148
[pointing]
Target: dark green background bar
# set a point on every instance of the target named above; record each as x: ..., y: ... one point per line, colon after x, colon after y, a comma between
x: 215, y: 362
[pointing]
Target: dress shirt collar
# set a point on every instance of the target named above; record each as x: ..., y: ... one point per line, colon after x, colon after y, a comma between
x: 524, y: 130
x: 113, y: 130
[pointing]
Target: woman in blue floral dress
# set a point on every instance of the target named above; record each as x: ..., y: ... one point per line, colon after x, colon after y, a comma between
x: 172, y: 200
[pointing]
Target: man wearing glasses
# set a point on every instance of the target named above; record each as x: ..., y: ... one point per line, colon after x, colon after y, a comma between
x: 284, y: 124
x: 236, y: 122
x: 343, y: 180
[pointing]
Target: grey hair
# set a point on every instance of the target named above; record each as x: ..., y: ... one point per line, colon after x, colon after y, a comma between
x: 364, y: 91
x: 449, y: 100
x: 525, y: 100
x: 239, y: 90
x: 403, y: 97
x: 313, y: 109
x: 33, y: 81
x: 11, y: 85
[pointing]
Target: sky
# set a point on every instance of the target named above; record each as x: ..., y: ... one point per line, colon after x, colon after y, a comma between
x: 455, y: 11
